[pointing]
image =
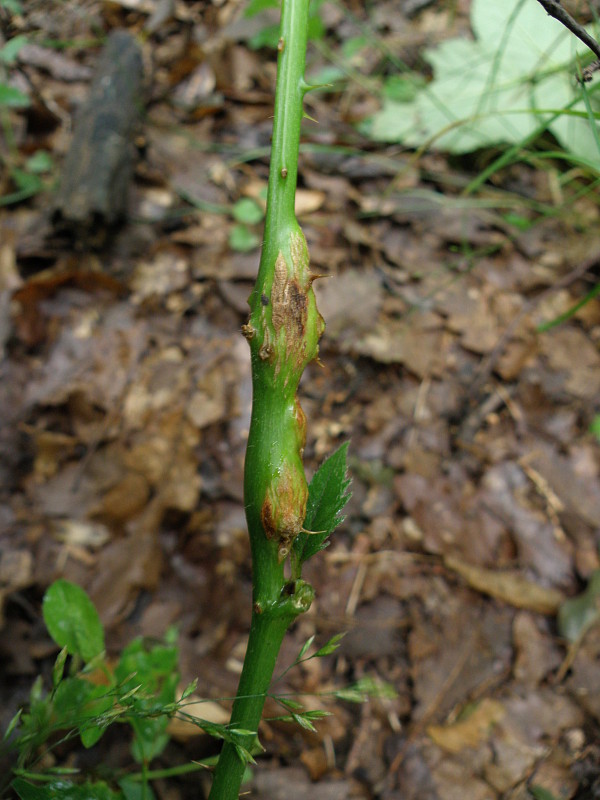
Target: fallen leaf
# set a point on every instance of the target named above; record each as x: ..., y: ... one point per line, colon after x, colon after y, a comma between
x: 510, y: 587
x: 469, y: 732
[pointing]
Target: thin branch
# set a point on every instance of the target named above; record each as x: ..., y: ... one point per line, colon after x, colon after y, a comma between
x: 554, y: 9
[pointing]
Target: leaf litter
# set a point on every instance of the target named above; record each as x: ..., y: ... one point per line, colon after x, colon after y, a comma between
x: 125, y: 404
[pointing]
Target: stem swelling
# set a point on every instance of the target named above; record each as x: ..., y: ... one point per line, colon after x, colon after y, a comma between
x: 283, y: 333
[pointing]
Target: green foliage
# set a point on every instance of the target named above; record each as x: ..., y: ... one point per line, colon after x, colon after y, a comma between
x: 247, y: 212
x: 12, y: 6
x: 26, y: 177
x: 539, y: 793
x: 328, y: 493
x: 595, y: 427
x: 65, y: 790
x: 504, y: 87
x: 578, y: 614
x: 10, y: 51
x: 140, y: 692
x: 72, y: 620
x: 148, y: 679
x: 326, y: 650
x: 364, y: 689
x: 242, y: 239
x: 12, y: 98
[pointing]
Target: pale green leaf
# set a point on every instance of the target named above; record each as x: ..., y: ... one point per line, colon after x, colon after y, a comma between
x: 499, y: 88
x: 330, y: 647
x: 242, y: 239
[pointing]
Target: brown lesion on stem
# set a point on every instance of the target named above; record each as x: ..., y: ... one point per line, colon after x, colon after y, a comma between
x: 284, y: 507
x: 288, y: 327
x: 290, y: 304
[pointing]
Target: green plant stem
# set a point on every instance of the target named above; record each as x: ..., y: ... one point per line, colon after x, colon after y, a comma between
x: 283, y: 333
x: 263, y: 647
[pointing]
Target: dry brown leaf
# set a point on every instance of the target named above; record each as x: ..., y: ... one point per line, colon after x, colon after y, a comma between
x: 570, y: 351
x: 420, y: 344
x: 126, y: 498
x: 469, y: 732
x: 308, y: 201
x: 510, y: 587
x: 124, y: 568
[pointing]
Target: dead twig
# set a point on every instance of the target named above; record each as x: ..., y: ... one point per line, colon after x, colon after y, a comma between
x: 554, y: 9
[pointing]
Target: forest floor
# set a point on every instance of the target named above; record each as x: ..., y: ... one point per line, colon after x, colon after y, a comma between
x: 125, y: 396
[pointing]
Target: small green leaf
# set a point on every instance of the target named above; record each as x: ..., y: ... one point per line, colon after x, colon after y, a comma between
x: 13, y: 724
x: 72, y: 620
x: 26, y: 182
x: 40, y: 162
x: 541, y: 794
x: 576, y: 615
x: 10, y: 51
x: 58, y: 670
x: 366, y: 687
x: 80, y: 704
x: 151, y: 738
x: 291, y: 705
x: 304, y: 722
x: 91, y: 735
x: 65, y: 790
x: 12, y: 98
x: 304, y: 648
x: 36, y: 693
x: 350, y: 695
x: 28, y: 791
x: 247, y: 211
x: 244, y: 755
x: 331, y: 646
x: 147, y: 680
x: 327, y: 495
x: 14, y: 6
x: 135, y: 790
x: 519, y: 221
x: 242, y: 239
x: 595, y: 427
x: 189, y: 689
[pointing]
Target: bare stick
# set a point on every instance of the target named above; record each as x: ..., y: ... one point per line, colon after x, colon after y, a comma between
x: 554, y: 9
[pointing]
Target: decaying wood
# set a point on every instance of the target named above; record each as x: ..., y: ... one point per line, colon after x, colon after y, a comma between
x: 93, y: 190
